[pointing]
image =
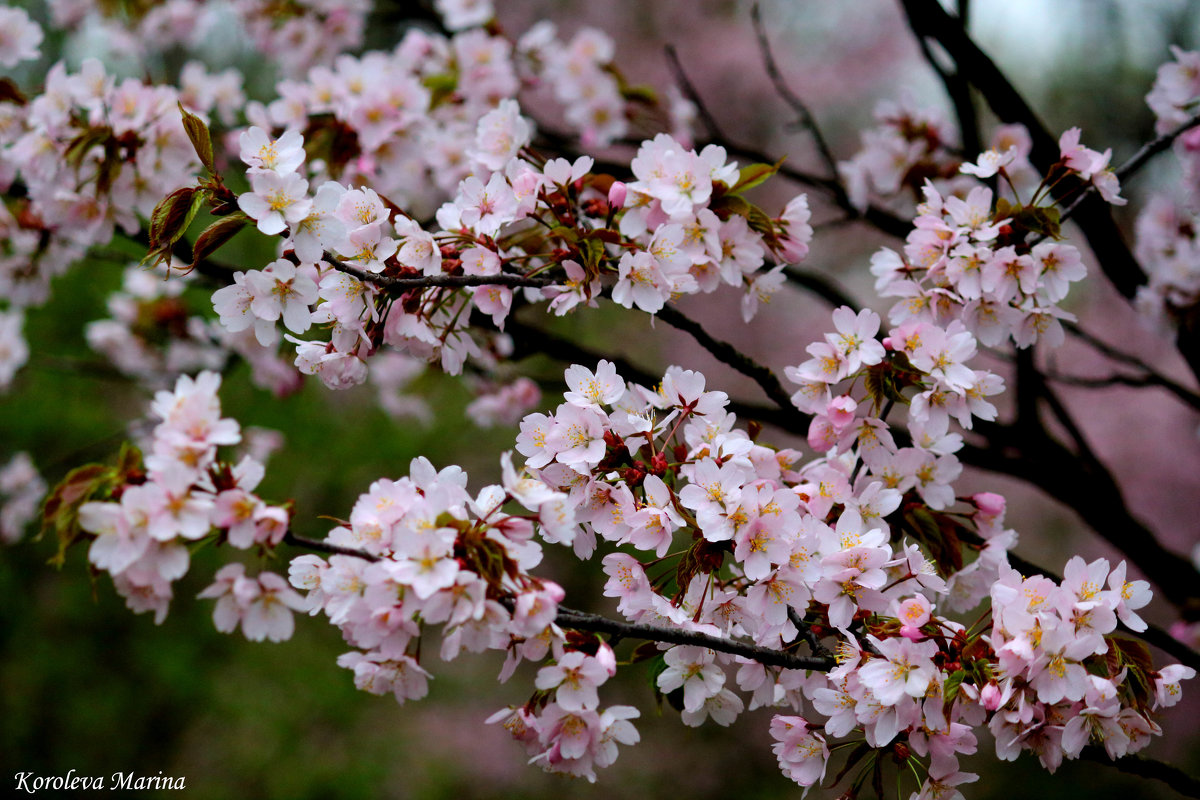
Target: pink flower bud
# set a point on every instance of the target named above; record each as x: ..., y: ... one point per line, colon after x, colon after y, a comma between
x: 991, y: 697
x: 989, y: 503
x: 616, y: 195
x: 821, y: 435
x: 1191, y: 140
x: 911, y: 632
x: 792, y: 250
x: 841, y: 412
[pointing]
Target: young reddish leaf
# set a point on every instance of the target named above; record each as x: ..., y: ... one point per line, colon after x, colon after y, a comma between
x: 198, y: 132
x: 216, y: 235
x: 60, y: 511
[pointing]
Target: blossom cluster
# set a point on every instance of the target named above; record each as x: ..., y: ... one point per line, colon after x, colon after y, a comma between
x: 1166, y: 229
x: 86, y: 155
x: 680, y: 228
x: 140, y: 534
x: 295, y: 35
x: 152, y: 334
x: 433, y: 554
x: 997, y: 268
x: 768, y: 549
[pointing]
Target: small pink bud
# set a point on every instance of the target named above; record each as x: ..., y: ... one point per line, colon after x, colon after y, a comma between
x: 841, y: 412
x: 991, y: 697
x: 616, y: 195
x: 989, y: 503
x: 1191, y: 140
x: 821, y: 434
x: 792, y: 250
x: 887, y: 343
x: 911, y: 632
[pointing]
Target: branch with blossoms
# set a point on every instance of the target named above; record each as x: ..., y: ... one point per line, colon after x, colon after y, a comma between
x: 413, y: 220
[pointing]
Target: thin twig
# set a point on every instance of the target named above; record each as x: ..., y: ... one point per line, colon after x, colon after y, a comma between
x: 732, y: 356
x: 807, y: 120
x: 1154, y: 377
x: 1136, y: 381
x: 1137, y: 160
x: 711, y: 127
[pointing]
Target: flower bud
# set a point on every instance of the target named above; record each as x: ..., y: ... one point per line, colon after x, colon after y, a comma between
x: 616, y: 195
x: 989, y: 503
x: 990, y: 697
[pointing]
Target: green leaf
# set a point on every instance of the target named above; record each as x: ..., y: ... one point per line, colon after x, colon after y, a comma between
x: 752, y: 175
x: 440, y: 86
x: 950, y: 690
x: 591, y: 252
x: 727, y: 205
x: 84, y: 143
x: 198, y: 132
x: 639, y: 94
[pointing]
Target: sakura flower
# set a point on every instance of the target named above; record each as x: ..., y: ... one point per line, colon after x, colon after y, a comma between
x: 282, y: 156
x: 574, y: 678
x: 802, y: 754
x: 281, y: 290
x: 276, y: 201
x: 500, y: 134
x: 20, y: 37
x: 641, y: 282
x: 989, y: 163
x: 692, y: 669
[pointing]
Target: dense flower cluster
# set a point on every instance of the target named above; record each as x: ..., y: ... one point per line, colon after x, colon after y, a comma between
x: 680, y: 228
x: 88, y: 154
x: 180, y: 495
x: 1166, y: 230
x: 995, y: 267
x: 412, y: 217
x: 295, y: 34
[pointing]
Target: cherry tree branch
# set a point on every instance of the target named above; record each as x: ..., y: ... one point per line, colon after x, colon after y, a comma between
x: 731, y: 356
x: 1092, y: 214
x: 1137, y: 160
x: 1144, y: 767
x: 803, y: 112
x: 1085, y: 486
x: 585, y: 621
x: 822, y: 286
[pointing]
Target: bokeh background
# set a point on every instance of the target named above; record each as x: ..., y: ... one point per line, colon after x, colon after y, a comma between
x: 86, y: 685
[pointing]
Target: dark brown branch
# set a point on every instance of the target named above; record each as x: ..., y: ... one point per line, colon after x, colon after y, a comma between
x: 733, y: 357
x: 775, y: 658
x: 958, y: 89
x: 429, y: 281
x: 1138, y: 160
x: 584, y: 621
x: 1143, y: 767
x: 823, y: 287
x: 711, y: 128
x: 1085, y: 486
x: 1136, y: 381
